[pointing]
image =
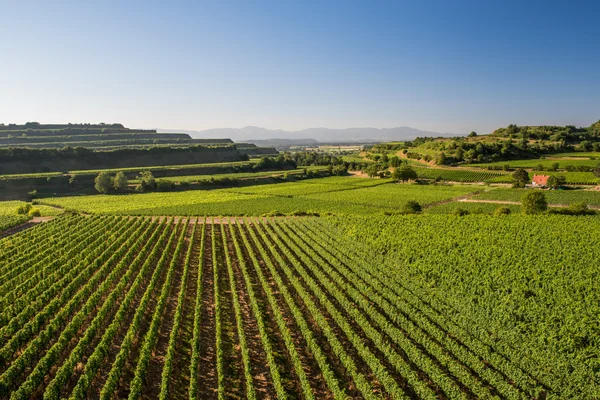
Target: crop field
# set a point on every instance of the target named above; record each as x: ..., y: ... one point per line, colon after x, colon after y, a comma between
x: 545, y: 162
x: 584, y: 154
x: 118, y: 307
x: 9, y: 221
x: 573, y: 178
x: 336, y: 195
x: 239, y: 175
x: 562, y: 197
x: 471, y: 207
x: 459, y: 175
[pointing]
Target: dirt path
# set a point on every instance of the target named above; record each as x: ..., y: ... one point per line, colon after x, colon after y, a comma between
x: 460, y: 198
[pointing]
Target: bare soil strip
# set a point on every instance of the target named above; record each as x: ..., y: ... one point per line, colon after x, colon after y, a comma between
x: 207, y: 371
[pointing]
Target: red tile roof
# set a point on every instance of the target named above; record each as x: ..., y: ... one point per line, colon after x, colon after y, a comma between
x: 540, y: 180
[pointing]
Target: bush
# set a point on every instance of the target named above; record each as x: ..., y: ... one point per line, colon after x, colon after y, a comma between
x: 164, y: 185
x: 534, y: 202
x: 411, y: 207
x: 24, y: 209
x: 33, y: 194
x: 459, y: 212
x: 502, y: 211
x: 34, y: 212
x: 580, y: 208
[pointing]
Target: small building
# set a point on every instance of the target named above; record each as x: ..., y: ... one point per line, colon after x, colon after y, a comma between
x: 540, y: 181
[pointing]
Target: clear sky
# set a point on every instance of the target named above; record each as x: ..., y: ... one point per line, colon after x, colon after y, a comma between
x: 446, y: 66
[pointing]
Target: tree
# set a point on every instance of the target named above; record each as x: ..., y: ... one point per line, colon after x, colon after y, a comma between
x: 147, y: 181
x: 120, y: 182
x: 404, y: 173
x: 103, y: 182
x: 520, y: 177
x: 440, y: 159
x: 597, y: 171
x: 534, y: 202
x: 473, y: 134
x: 372, y: 170
x: 554, y: 166
x: 555, y: 181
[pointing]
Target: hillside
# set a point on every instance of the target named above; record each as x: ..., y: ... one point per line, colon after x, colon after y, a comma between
x: 33, y: 135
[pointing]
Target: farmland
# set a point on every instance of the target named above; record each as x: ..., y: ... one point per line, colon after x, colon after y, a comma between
x: 297, y: 308
x: 336, y: 195
x: 553, y: 196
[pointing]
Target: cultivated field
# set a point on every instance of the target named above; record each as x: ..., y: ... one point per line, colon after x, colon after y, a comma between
x: 336, y: 195
x: 120, y: 307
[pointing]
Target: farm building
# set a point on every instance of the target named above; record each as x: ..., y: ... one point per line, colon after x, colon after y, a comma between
x: 540, y: 181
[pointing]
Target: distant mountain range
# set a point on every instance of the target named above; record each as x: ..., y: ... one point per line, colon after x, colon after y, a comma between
x: 256, y: 134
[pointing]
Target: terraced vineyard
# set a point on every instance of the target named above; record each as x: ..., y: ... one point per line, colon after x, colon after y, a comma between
x: 120, y: 307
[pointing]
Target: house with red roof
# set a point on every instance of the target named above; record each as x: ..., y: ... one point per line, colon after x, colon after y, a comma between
x: 540, y: 181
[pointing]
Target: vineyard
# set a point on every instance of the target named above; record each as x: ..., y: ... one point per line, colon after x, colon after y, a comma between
x: 572, y: 178
x: 330, y: 195
x: 555, y: 197
x: 119, y: 307
x: 459, y: 175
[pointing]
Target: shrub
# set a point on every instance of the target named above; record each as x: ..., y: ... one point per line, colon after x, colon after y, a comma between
x: 459, y: 212
x: 502, y: 211
x: 411, y: 207
x: 24, y: 209
x: 34, y: 212
x: 534, y: 202
x: 164, y: 185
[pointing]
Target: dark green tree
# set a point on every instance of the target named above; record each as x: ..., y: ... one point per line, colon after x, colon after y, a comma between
x: 120, y: 182
x: 556, y: 181
x: 520, y: 178
x: 404, y: 173
x: 103, y: 182
x: 147, y: 181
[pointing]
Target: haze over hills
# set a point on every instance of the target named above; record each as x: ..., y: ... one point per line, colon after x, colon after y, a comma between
x: 323, y: 135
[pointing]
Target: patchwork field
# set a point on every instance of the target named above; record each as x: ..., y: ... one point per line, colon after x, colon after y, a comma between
x: 337, y: 195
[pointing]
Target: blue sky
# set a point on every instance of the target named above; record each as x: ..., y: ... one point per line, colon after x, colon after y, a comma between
x: 446, y: 66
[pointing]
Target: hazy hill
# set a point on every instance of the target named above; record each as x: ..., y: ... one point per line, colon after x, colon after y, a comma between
x: 254, y: 133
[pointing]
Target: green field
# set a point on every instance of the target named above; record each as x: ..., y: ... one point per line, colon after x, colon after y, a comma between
x: 347, y: 304
x: 10, y: 208
x: 239, y: 175
x: 473, y: 208
x: 459, y: 175
x: 563, y: 197
x: 338, y: 195
x: 573, y: 178
x: 540, y: 319
x: 545, y: 162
